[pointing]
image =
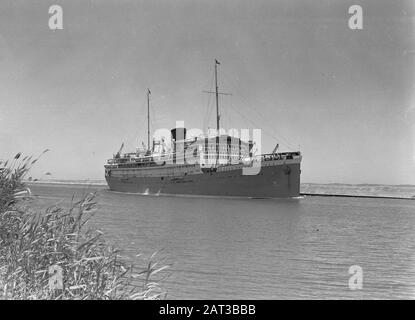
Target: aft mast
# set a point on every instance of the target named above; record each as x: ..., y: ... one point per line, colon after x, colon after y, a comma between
x: 217, y: 110
x: 217, y: 96
x: 217, y: 93
x: 148, y: 120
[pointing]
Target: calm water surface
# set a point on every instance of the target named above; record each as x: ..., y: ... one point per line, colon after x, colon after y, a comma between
x: 262, y: 249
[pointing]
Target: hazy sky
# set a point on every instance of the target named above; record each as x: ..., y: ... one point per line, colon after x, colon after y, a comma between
x: 294, y: 68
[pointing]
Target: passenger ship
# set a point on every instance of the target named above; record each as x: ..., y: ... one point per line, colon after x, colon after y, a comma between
x: 220, y: 165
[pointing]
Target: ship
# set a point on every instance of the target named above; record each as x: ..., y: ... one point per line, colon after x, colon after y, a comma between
x: 206, y: 165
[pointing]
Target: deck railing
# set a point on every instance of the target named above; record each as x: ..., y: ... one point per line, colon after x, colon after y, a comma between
x: 149, y: 160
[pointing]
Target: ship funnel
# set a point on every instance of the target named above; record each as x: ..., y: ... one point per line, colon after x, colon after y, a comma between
x: 178, y: 134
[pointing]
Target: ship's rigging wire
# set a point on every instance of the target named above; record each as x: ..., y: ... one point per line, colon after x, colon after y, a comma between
x: 268, y: 133
x: 262, y: 119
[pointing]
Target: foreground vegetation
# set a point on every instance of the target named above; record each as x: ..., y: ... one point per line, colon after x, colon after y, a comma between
x: 56, y: 255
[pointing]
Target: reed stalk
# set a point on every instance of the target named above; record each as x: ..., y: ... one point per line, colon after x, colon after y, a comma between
x: 55, y: 254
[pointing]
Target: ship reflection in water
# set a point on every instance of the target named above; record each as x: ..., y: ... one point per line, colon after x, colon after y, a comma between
x: 262, y: 249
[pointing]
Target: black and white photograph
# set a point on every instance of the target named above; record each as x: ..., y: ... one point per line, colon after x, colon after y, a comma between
x: 207, y: 150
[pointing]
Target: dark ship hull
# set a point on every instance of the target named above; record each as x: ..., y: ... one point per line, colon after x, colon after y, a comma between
x: 276, y: 179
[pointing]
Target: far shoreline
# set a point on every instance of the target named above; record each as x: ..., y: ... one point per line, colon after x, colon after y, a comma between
x: 303, y: 194
x: 83, y: 183
x: 354, y: 196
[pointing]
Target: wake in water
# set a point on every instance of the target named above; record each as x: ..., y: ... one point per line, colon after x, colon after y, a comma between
x: 158, y: 194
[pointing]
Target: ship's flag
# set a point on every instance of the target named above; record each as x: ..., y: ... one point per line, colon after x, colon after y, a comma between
x: 217, y: 62
x: 149, y: 92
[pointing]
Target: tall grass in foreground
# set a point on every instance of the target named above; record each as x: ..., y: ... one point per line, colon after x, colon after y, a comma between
x: 34, y: 245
